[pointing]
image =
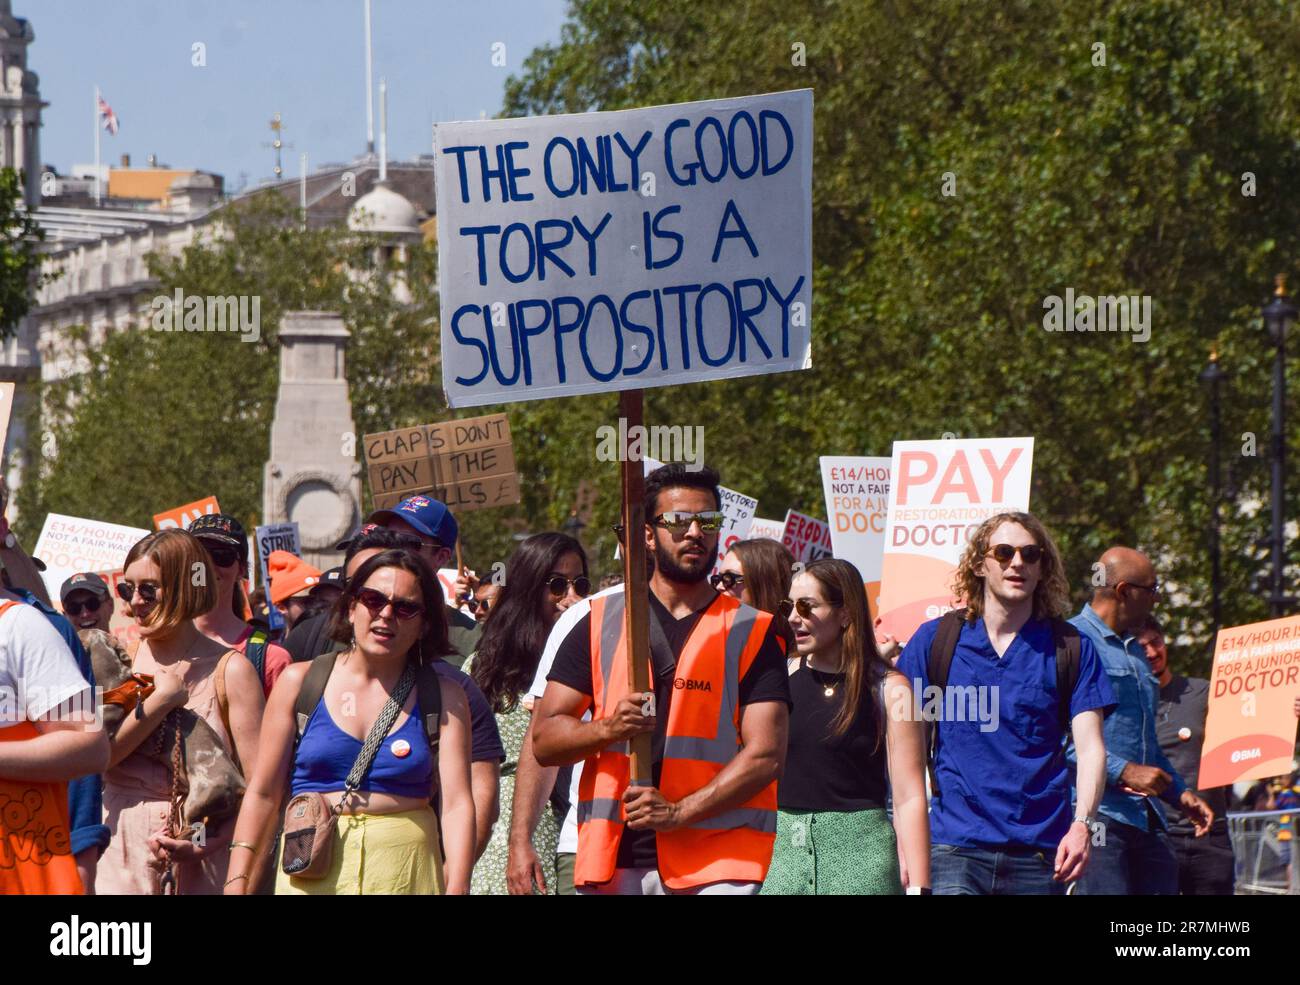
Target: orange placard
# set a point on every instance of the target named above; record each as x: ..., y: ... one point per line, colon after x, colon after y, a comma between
x: 1250, y: 730
x: 182, y: 516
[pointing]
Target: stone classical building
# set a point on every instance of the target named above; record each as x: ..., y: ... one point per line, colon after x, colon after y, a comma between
x: 20, y: 102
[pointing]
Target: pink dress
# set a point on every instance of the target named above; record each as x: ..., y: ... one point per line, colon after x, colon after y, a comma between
x: 136, y: 794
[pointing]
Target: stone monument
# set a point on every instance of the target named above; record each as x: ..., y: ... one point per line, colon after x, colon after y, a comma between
x: 313, y: 477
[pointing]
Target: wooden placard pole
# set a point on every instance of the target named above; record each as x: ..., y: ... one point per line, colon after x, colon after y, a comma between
x: 636, y: 590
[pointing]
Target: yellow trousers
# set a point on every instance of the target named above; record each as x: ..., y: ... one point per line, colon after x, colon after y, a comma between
x: 378, y: 854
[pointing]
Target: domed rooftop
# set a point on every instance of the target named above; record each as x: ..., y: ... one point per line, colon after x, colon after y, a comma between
x: 383, y: 210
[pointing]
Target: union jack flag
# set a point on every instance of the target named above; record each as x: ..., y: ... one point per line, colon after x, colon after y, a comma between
x: 108, y: 116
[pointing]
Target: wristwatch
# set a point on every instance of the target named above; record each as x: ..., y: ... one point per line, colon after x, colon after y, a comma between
x: 1088, y: 822
x: 918, y: 891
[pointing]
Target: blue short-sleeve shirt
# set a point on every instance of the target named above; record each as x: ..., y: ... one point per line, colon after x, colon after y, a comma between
x: 1002, y: 778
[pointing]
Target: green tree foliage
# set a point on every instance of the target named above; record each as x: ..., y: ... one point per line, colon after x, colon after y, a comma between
x: 1111, y: 172
x: 19, y: 260
x: 1115, y: 171
x: 164, y: 418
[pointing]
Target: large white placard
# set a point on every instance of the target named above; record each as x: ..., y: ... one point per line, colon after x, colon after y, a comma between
x: 71, y: 544
x: 621, y: 250
x: 941, y: 491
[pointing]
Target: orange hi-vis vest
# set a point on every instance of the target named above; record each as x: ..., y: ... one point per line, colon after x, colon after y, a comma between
x: 703, y: 735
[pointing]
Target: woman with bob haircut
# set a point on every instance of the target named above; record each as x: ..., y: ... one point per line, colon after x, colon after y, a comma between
x: 167, y: 582
x: 392, y: 619
x: 851, y: 742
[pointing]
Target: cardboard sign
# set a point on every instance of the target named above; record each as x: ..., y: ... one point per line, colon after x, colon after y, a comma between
x: 624, y: 250
x: 940, y: 491
x: 856, y: 488
x: 807, y: 537
x: 760, y: 528
x: 275, y: 537
x: 468, y: 464
x: 70, y: 544
x: 1250, y: 730
x: 182, y: 516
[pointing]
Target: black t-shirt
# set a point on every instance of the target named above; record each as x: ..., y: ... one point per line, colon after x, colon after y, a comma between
x: 824, y: 772
x: 765, y: 681
x: 1180, y: 730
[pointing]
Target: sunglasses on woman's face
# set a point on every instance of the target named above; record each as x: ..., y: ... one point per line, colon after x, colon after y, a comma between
x: 559, y: 586
x: 76, y: 608
x: 223, y: 556
x: 804, y: 607
x: 474, y: 604
x: 1003, y: 553
x: 147, y: 589
x: 726, y: 581
x: 377, y: 602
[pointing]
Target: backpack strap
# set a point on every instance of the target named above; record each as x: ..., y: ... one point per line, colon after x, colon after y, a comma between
x: 1068, y: 644
x: 312, y: 690
x: 944, y: 645
x: 255, y: 651
x: 937, y: 664
x: 428, y: 692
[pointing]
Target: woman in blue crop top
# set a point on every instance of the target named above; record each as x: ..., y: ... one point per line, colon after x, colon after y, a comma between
x: 387, y: 840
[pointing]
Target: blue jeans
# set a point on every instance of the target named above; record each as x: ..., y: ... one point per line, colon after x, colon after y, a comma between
x: 1131, y: 862
x: 1011, y: 871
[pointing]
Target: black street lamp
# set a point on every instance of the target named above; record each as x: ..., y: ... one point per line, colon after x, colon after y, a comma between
x: 1212, y: 376
x: 1279, y: 314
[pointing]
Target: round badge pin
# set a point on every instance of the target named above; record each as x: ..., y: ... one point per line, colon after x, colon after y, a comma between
x: 401, y: 748
x: 1184, y: 733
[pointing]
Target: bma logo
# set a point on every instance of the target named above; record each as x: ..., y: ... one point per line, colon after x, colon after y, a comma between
x: 1239, y: 754
x: 682, y: 684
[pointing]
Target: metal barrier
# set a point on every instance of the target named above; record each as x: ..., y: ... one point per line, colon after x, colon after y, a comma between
x: 1263, y: 846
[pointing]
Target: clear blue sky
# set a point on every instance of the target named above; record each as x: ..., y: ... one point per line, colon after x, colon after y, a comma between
x: 303, y: 58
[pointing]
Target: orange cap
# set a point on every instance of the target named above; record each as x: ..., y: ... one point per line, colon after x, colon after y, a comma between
x: 289, y: 575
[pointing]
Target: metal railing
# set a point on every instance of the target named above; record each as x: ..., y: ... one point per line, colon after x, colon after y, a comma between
x: 1263, y: 846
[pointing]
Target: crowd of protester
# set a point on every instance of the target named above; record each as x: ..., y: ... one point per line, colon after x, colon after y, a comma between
x: 391, y: 739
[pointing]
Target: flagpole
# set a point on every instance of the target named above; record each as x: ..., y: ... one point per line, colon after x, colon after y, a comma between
x: 97, y: 179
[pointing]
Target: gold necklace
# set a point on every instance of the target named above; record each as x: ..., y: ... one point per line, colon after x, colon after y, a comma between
x: 827, y: 689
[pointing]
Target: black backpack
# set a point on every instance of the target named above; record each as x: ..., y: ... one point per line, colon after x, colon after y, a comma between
x: 428, y: 692
x: 939, y: 662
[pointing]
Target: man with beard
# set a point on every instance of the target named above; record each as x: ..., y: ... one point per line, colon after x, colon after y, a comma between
x: 706, y: 822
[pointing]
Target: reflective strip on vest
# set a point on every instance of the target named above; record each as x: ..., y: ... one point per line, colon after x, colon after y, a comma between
x: 600, y: 809
x: 741, y: 817
x: 722, y: 748
x: 611, y: 630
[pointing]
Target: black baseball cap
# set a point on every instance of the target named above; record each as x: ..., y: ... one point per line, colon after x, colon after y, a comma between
x: 223, y: 529
x: 83, y: 582
x: 334, y: 577
x: 346, y: 542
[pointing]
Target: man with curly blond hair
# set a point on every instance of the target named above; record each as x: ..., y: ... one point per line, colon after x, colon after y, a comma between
x: 1000, y: 817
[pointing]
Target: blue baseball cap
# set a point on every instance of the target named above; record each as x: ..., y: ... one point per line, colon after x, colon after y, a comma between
x: 426, y: 515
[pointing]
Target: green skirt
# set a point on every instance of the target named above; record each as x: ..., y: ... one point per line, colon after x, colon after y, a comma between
x: 851, y: 853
